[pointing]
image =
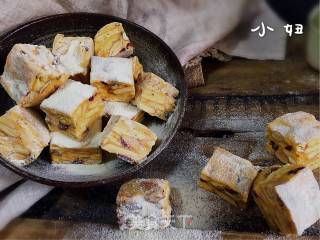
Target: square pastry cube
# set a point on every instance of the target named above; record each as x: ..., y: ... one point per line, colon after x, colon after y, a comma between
x: 112, y: 41
x: 113, y: 77
x: 124, y: 109
x: 72, y: 109
x: 295, y: 138
x: 23, y: 135
x: 31, y: 74
x: 64, y: 150
x: 288, y: 197
x: 130, y: 140
x: 74, y: 53
x: 155, y: 96
x: 229, y: 176
x: 144, y: 204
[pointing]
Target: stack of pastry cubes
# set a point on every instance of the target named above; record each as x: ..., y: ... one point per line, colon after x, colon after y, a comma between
x: 77, y: 83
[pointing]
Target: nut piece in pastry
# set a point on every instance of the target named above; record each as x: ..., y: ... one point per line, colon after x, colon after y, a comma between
x: 288, y: 197
x: 295, y: 138
x: 31, y: 74
x: 143, y: 204
x: 137, y: 68
x: 23, y: 135
x: 124, y: 109
x: 229, y: 176
x: 130, y: 140
x: 74, y: 53
x: 112, y: 41
x: 64, y: 149
x: 72, y: 109
x: 113, y: 77
x: 155, y: 96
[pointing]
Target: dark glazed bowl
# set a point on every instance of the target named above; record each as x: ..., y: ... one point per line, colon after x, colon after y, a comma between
x: 155, y: 56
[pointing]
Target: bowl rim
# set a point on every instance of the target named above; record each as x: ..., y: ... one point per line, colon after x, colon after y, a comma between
x: 183, y: 95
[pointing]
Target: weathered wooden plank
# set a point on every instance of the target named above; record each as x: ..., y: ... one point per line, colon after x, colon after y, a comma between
x: 180, y: 163
x: 243, y: 114
x: 242, y: 77
x: 56, y: 230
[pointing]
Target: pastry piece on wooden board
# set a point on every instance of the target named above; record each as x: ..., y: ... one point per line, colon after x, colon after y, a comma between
x: 229, y: 176
x: 72, y: 109
x: 23, y: 135
x: 295, y: 138
x: 130, y: 140
x: 288, y: 197
x: 124, y: 109
x: 113, y: 77
x: 31, y: 74
x: 66, y: 150
x: 155, y: 96
x: 112, y: 41
x: 74, y: 53
x: 143, y: 204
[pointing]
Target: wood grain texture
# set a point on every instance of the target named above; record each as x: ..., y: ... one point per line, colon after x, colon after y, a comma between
x: 242, y: 77
x: 243, y: 114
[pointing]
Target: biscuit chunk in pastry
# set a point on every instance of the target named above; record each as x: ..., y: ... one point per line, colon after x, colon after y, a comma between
x: 229, y: 176
x: 295, y: 138
x: 288, y: 197
x: 113, y: 77
x: 143, y: 204
x: 155, y: 96
x: 137, y: 68
x: 31, y: 74
x: 72, y: 109
x: 130, y: 140
x: 23, y: 135
x: 112, y: 41
x: 124, y: 109
x: 74, y: 53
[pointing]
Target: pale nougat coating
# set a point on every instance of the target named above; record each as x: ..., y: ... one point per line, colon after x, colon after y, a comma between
x: 65, y: 150
x: 144, y: 204
x: 229, y: 176
x: 31, y: 74
x: 295, y: 138
x: 112, y: 41
x: 130, y: 140
x: 288, y: 197
x: 23, y: 135
x: 113, y: 77
x: 74, y: 53
x: 155, y: 96
x: 72, y: 109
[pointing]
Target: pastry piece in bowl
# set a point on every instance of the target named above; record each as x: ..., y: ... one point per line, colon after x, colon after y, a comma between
x: 112, y: 41
x: 144, y: 204
x: 137, y: 68
x: 74, y: 53
x: 229, y: 176
x: 124, y: 109
x: 130, y: 140
x: 113, y: 77
x: 23, y: 135
x: 31, y: 74
x: 64, y: 150
x: 155, y: 96
x: 288, y: 197
x: 72, y: 109
x: 295, y: 138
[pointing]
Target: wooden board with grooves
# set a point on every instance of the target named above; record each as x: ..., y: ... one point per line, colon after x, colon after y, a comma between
x: 231, y: 111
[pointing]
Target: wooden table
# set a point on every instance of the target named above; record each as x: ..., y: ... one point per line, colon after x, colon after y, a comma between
x: 240, y: 97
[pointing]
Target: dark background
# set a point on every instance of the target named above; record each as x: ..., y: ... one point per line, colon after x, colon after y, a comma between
x: 293, y: 11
